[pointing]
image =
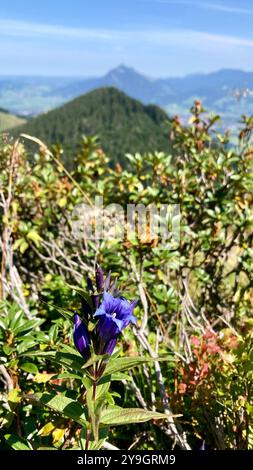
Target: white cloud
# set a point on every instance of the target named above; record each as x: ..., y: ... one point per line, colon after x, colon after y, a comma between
x: 207, y: 6
x: 196, y: 39
x: 181, y: 37
x: 25, y: 29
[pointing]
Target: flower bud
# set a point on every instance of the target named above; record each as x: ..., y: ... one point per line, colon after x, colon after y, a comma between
x: 81, y: 337
x: 99, y: 278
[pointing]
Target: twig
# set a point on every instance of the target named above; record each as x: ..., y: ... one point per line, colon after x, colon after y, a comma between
x: 7, y: 378
x: 135, y: 389
x: 181, y: 441
x: 138, y: 279
x: 6, y: 235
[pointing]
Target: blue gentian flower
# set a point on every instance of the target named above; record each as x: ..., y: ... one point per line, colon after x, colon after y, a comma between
x: 114, y: 314
x: 81, y: 337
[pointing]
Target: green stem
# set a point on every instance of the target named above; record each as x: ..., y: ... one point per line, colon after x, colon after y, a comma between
x: 94, y: 390
x: 95, y: 382
x: 94, y: 412
x: 87, y: 439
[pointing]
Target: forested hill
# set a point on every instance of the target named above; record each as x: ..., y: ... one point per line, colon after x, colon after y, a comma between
x: 123, y: 124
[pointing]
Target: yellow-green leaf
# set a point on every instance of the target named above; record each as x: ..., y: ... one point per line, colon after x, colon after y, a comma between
x: 58, y: 434
x: 14, y: 395
x: 42, y: 378
x: 46, y: 430
x: 17, y: 243
x: 62, y: 202
x: 34, y: 236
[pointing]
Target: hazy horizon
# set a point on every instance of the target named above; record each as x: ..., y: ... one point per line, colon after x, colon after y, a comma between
x: 41, y: 76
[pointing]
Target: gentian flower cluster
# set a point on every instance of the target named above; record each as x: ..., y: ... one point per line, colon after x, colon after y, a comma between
x: 110, y: 312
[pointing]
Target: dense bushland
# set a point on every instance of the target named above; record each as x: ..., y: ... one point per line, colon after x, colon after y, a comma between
x: 194, y: 330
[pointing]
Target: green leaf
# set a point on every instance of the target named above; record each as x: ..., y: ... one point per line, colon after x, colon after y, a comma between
x: 88, y: 383
x: 102, y: 390
x: 93, y: 445
x: 96, y: 445
x: 23, y: 247
x: 67, y: 375
x: 119, y: 376
x: 26, y: 345
x: 17, y: 243
x: 53, y: 333
x: 16, y: 442
x: 125, y: 363
x: 65, y: 313
x: 49, y: 354
x: 82, y: 293
x: 73, y: 362
x: 27, y: 326
x: 35, y: 237
x: 8, y: 349
x: 16, y: 319
x: 94, y: 359
x: 46, y: 448
x: 235, y: 177
x: 69, y: 349
x: 29, y: 367
x: 116, y: 416
x: 65, y: 406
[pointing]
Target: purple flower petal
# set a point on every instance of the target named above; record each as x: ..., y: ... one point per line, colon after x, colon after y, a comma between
x: 99, y: 278
x: 81, y: 337
x: 109, y: 347
x: 114, y: 314
x: 107, y: 281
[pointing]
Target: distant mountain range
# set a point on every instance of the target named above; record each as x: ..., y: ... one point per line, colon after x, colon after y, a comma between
x: 210, y: 87
x: 227, y: 92
x: 123, y: 124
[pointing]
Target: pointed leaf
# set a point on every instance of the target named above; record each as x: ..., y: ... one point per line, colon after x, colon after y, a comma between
x: 73, y: 362
x: 125, y: 363
x: 16, y: 442
x: 29, y: 367
x: 65, y: 406
x: 117, y: 416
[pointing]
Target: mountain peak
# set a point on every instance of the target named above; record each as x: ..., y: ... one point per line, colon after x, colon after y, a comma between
x: 122, y: 70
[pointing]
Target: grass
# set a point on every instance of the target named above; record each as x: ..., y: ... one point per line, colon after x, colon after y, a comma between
x: 9, y: 121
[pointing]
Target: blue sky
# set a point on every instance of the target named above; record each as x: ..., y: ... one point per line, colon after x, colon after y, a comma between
x: 160, y: 38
